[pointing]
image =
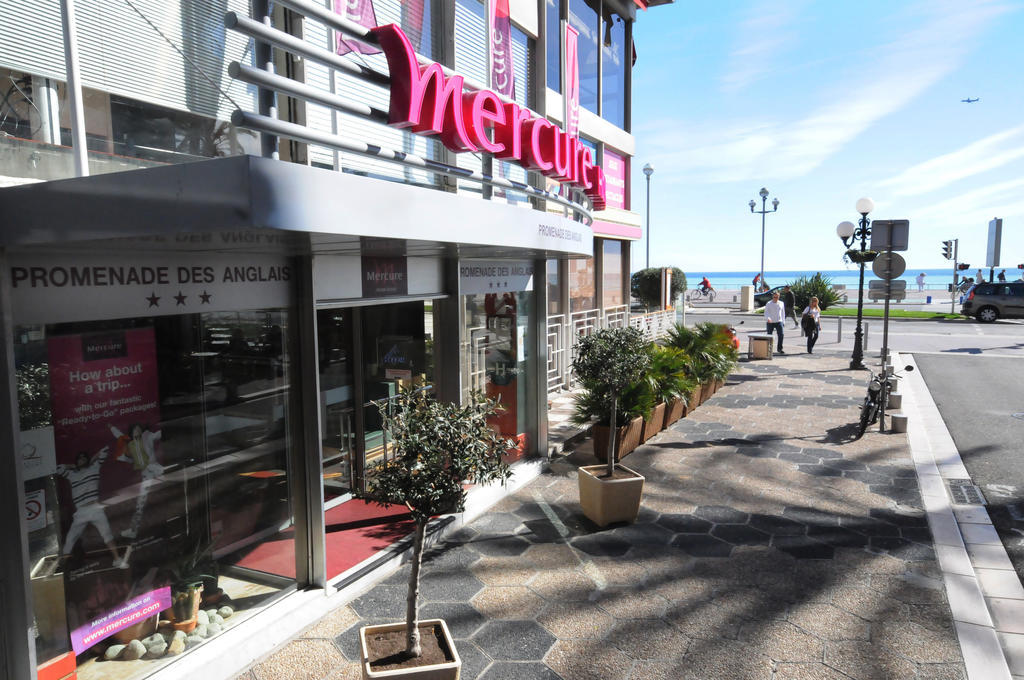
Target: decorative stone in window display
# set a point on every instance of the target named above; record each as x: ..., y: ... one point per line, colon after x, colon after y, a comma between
x: 170, y: 642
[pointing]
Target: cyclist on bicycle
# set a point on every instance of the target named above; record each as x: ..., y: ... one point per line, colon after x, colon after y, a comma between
x: 705, y: 286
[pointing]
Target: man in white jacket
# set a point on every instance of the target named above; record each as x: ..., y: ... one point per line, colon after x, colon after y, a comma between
x: 774, y: 316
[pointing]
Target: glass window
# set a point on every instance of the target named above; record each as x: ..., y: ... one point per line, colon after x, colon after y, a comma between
x: 553, y: 37
x: 612, y: 273
x: 554, y: 289
x: 495, y: 356
x: 583, y: 17
x: 157, y: 451
x: 581, y: 285
x: 613, y: 70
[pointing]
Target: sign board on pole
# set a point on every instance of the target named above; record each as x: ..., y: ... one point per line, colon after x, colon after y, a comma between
x: 889, y: 266
x: 896, y: 287
x: 892, y: 235
x: 995, y: 237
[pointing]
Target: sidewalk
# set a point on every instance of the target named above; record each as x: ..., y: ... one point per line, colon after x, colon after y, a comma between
x: 770, y: 545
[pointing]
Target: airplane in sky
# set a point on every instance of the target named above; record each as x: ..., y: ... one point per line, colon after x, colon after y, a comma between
x: 969, y: 100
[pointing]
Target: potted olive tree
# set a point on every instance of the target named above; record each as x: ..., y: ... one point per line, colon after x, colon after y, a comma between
x: 608, y: 363
x: 439, y: 447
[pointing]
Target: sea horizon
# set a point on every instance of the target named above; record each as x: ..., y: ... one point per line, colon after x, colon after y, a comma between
x: 935, y: 279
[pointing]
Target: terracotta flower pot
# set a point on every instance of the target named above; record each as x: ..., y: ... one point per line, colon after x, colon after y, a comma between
x: 449, y: 670
x: 694, y: 399
x: 706, y: 390
x: 627, y: 439
x: 606, y: 501
x: 653, y: 425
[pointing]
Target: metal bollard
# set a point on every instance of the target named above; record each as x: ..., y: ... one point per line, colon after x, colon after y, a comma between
x: 865, y: 338
x: 839, y: 330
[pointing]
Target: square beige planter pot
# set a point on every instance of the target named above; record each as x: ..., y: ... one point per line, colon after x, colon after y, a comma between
x: 627, y: 439
x: 442, y: 671
x: 606, y: 501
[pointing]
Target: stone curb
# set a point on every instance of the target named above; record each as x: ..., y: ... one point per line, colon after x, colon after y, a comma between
x: 974, y: 564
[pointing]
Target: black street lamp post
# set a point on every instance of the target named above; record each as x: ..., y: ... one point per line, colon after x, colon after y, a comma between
x: 849, y: 234
x: 763, y: 211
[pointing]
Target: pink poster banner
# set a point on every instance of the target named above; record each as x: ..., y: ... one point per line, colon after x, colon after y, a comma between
x: 100, y: 381
x: 571, y: 69
x: 503, y: 74
x: 358, y: 12
x: 615, y: 176
x: 127, y: 614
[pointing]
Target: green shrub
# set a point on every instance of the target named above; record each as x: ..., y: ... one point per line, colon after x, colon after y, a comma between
x: 806, y: 287
x: 709, y: 348
x: 645, y: 285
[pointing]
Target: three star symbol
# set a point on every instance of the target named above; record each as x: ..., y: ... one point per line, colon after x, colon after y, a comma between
x: 154, y: 300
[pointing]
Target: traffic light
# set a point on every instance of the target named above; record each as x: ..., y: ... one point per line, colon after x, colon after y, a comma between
x: 947, y: 250
x: 963, y: 266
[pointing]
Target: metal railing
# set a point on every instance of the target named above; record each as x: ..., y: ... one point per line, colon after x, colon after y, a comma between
x: 563, y: 334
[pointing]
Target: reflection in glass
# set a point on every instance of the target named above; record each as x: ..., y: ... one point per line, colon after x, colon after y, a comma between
x: 495, y: 354
x: 581, y: 285
x: 157, y: 450
x: 613, y: 69
x: 553, y: 44
x: 583, y: 17
x: 554, y: 290
x: 612, y: 269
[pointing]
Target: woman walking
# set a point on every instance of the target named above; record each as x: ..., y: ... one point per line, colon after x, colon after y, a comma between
x: 811, y: 323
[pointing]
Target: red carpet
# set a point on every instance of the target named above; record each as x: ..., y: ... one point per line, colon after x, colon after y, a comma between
x: 355, y: 530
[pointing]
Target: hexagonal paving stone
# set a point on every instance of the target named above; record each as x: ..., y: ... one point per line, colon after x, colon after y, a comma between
x: 563, y: 585
x: 721, y: 514
x: 685, y: 524
x: 462, y: 619
x: 811, y: 516
x: 497, y: 523
x: 699, y: 545
x: 803, y: 547
x: 782, y: 641
x: 737, y: 534
x: 503, y: 571
x: 777, y: 526
x: 649, y: 639
x: 868, y: 661
x: 518, y: 670
x: 603, y: 544
x: 474, y: 661
x: 632, y: 603
x: 499, y: 545
x: 514, y: 640
x: 829, y: 622
x: 448, y: 586
x: 508, y: 602
x: 643, y: 534
x: 547, y: 555
x: 578, y: 620
x: 382, y: 602
x: 587, y: 659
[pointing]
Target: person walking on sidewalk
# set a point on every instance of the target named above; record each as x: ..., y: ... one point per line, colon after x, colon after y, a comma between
x: 920, y: 282
x: 789, y: 299
x: 774, y: 316
x: 811, y: 322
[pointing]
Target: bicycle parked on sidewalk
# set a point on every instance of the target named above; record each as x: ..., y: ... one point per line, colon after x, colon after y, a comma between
x: 877, y: 399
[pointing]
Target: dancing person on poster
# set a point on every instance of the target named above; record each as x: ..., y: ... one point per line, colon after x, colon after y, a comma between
x: 139, y: 449
x: 84, y: 478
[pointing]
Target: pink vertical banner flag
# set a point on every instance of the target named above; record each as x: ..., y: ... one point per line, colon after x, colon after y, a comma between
x: 503, y: 74
x: 571, y: 91
x: 359, y: 12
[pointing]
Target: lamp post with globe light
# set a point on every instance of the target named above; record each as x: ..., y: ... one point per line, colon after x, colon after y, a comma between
x: 849, y: 233
x: 648, y: 170
x: 763, y: 211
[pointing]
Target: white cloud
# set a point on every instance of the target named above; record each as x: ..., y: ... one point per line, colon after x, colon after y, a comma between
x: 985, y: 154
x: 900, y: 70
x: 763, y: 36
x: 974, y: 208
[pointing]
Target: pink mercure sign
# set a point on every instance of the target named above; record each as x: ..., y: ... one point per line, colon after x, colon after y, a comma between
x: 426, y: 101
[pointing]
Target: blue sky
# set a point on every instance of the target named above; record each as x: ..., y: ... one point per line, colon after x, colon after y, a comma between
x: 823, y: 103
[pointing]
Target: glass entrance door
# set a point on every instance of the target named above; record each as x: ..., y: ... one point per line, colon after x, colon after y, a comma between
x: 366, y: 354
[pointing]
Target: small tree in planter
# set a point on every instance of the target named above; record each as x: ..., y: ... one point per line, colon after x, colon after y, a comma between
x: 607, y: 363
x: 439, y: 448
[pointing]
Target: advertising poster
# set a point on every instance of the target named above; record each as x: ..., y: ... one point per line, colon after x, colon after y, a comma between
x: 127, y: 614
x: 100, y: 381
